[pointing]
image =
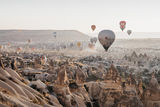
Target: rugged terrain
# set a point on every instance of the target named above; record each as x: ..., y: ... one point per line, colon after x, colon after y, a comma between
x: 53, y: 72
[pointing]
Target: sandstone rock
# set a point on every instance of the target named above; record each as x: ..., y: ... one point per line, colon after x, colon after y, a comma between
x: 62, y: 78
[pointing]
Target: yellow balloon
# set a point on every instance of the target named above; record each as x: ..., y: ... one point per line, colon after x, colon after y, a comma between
x: 78, y: 44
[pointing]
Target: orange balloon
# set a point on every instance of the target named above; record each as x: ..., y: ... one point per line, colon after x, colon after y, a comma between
x: 93, y: 27
x: 90, y: 45
x: 78, y: 44
x: 33, y: 49
x: 0, y: 46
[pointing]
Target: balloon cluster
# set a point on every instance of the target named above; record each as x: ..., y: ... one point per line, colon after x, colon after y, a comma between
x: 105, y: 37
x: 123, y: 26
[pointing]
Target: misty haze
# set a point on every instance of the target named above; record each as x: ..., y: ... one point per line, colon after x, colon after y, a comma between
x: 76, y: 53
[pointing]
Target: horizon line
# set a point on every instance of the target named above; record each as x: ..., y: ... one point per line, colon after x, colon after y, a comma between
x: 87, y: 33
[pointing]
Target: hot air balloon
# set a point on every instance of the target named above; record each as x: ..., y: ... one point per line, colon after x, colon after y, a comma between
x: 9, y: 44
x: 1, y: 46
x: 93, y: 40
x: 33, y: 49
x: 122, y: 25
x: 106, y: 38
x: 29, y: 40
x: 93, y: 27
x: 91, y: 46
x: 71, y: 45
x: 78, y: 44
x: 55, y: 34
x: 19, y: 49
x: 129, y: 32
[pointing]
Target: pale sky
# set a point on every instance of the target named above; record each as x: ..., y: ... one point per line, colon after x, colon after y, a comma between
x: 140, y: 15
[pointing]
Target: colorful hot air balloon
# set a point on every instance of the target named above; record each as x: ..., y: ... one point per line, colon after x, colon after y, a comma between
x: 93, y: 27
x: 129, y: 32
x: 122, y: 25
x: 106, y: 38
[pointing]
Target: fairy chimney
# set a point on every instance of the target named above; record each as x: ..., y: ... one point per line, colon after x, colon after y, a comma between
x: 62, y: 78
x: 131, y: 80
x: 14, y: 64
x: 1, y: 63
x: 80, y: 76
x: 154, y: 83
x: 112, y: 74
x: 134, y: 55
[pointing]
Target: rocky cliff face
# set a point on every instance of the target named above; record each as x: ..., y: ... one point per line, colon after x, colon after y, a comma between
x: 72, y: 82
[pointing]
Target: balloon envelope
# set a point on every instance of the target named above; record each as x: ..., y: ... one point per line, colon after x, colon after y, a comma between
x: 55, y: 34
x: 93, y: 27
x: 91, y: 46
x: 78, y: 44
x: 71, y: 45
x: 93, y: 40
x: 9, y: 44
x: 106, y: 38
x: 29, y: 40
x: 122, y: 25
x: 19, y: 49
x: 1, y: 46
x: 129, y: 32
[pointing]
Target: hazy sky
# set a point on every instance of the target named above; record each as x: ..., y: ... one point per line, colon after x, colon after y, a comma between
x: 141, y: 15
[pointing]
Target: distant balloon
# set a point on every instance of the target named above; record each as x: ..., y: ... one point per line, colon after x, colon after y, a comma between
x: 63, y: 47
x: 55, y: 34
x: 33, y: 49
x: 78, y: 44
x: 1, y: 46
x: 93, y: 27
x: 9, y: 44
x: 93, y: 40
x: 71, y: 45
x: 129, y: 32
x: 122, y: 25
x: 29, y: 40
x: 19, y: 49
x: 106, y: 38
x: 91, y: 46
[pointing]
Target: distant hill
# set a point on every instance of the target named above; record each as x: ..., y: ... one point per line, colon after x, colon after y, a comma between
x: 41, y: 35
